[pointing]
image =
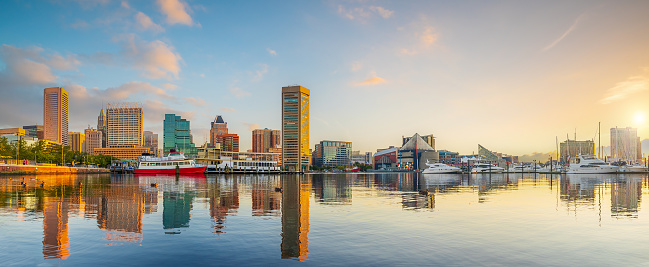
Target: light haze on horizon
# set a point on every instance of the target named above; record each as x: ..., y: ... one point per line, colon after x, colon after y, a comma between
x: 509, y: 75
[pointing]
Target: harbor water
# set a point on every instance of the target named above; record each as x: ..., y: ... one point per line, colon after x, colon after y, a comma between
x: 325, y: 220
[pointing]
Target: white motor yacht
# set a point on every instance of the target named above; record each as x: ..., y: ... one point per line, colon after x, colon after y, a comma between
x: 441, y: 168
x: 486, y: 168
x: 590, y: 164
x: 633, y: 168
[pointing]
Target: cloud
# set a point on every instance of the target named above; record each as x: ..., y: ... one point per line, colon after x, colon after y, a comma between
x: 176, y: 12
x: 194, y: 101
x: 259, y: 74
x: 356, y: 66
x: 572, y: 27
x: 623, y: 89
x: 120, y: 93
x: 156, y: 59
x: 361, y: 14
x: 252, y: 126
x: 371, y: 81
x: 31, y: 66
x: 154, y: 110
x: 202, y: 75
x: 125, y: 4
x: 271, y: 52
x: 228, y: 110
x: 238, y: 93
x: 144, y: 23
x: 383, y: 12
x: 170, y: 86
x: 424, y: 39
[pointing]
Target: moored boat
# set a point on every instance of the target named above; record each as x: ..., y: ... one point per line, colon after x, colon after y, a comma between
x: 440, y: 168
x: 590, y: 164
x: 486, y: 168
x: 174, y: 162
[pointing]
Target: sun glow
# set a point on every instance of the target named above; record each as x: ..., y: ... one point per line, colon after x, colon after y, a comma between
x: 639, y: 118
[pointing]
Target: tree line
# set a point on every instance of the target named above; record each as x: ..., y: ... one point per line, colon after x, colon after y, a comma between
x: 42, y: 152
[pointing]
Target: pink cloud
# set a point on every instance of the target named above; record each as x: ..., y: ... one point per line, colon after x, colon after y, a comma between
x: 176, y: 12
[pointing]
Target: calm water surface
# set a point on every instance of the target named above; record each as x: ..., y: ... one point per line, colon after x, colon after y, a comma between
x: 353, y: 219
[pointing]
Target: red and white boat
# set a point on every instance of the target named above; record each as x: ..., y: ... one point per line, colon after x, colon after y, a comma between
x: 147, y: 163
x: 355, y: 169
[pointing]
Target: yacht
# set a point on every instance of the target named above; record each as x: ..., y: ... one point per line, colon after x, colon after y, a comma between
x: 590, y: 164
x: 440, y: 168
x: 633, y: 168
x: 486, y: 168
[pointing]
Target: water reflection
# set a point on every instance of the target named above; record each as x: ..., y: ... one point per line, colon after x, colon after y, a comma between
x: 119, y: 204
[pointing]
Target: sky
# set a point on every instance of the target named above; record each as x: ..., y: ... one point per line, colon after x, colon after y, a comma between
x: 512, y: 76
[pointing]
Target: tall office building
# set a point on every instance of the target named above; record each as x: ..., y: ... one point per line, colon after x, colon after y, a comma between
x: 151, y: 141
x: 229, y: 142
x: 55, y: 115
x: 264, y: 139
x: 572, y: 148
x: 77, y: 141
x: 295, y: 128
x: 103, y: 127
x: 124, y: 123
x: 624, y: 144
x: 35, y: 131
x: 93, y: 140
x: 218, y: 127
x: 177, y: 135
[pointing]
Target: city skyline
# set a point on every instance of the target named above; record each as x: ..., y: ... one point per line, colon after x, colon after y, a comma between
x: 510, y: 76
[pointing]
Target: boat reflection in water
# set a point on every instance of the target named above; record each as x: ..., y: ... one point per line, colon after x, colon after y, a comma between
x: 585, y: 189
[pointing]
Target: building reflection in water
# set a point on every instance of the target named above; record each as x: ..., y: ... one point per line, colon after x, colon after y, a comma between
x: 56, y: 242
x: 626, y: 194
x: 332, y: 190
x: 295, y: 217
x: 224, y: 200
x: 176, y: 208
x: 266, y: 201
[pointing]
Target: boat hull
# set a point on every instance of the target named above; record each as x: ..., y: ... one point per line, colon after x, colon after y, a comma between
x: 427, y: 171
x: 188, y: 170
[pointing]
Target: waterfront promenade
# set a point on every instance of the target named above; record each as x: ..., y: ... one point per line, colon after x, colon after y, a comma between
x: 7, y: 169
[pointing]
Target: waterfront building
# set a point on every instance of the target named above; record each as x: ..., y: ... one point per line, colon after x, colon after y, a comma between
x: 362, y: 158
x: 37, y: 131
x: 218, y: 127
x: 77, y: 141
x: 177, y: 135
x: 449, y: 158
x: 124, y: 128
x: 295, y: 128
x: 332, y: 153
x: 264, y: 139
x: 415, y: 153
x: 94, y: 139
x: 624, y: 144
x: 228, y: 142
x: 14, y: 131
x: 572, y: 148
x: 386, y: 158
x: 103, y: 127
x: 12, y: 139
x: 55, y: 115
x: 429, y: 139
x: 151, y: 141
x: 277, y: 150
x: 493, y: 157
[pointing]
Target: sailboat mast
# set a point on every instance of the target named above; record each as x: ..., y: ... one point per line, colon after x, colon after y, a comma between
x: 599, y: 133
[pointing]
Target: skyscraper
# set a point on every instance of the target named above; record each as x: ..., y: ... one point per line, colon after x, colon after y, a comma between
x: 624, y: 144
x: 55, y: 115
x: 103, y: 127
x: 264, y: 139
x: 332, y: 153
x: 77, y: 141
x: 295, y: 128
x: 124, y: 130
x: 151, y: 141
x: 93, y: 140
x: 218, y: 127
x: 219, y: 134
x: 177, y: 135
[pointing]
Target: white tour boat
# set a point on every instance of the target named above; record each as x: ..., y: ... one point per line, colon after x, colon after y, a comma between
x: 172, y: 163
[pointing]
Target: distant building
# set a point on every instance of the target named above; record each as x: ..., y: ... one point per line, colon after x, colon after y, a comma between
x: 277, y: 150
x: 493, y: 157
x: 218, y: 127
x: 362, y: 158
x: 295, y: 128
x: 151, y: 141
x: 37, y: 131
x: 55, y: 115
x: 386, y: 158
x: 429, y: 139
x: 228, y: 142
x: 415, y: 153
x: 572, y: 148
x: 178, y: 135
x: 332, y: 154
x: 624, y: 144
x: 93, y: 140
x: 263, y: 139
x: 14, y: 131
x: 450, y: 158
x: 103, y: 127
x: 124, y: 129
x: 77, y: 141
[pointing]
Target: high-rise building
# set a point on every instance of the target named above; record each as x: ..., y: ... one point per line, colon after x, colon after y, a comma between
x: 34, y: 131
x: 77, y: 141
x: 177, y: 135
x: 103, y: 127
x: 218, y: 127
x: 55, y: 115
x: 295, y: 128
x: 264, y: 139
x: 151, y: 141
x: 624, y: 144
x: 333, y: 153
x: 228, y: 142
x: 93, y: 140
x: 125, y: 123
x: 572, y: 148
